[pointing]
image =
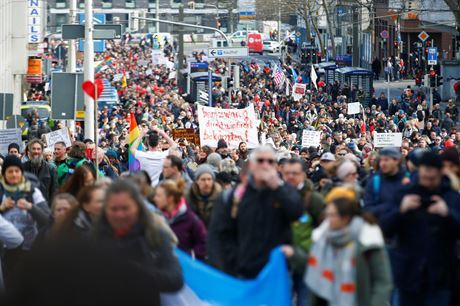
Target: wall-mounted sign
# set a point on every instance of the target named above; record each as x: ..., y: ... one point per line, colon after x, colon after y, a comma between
x: 34, y: 24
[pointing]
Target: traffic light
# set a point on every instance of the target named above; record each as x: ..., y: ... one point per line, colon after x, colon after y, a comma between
x: 432, y: 76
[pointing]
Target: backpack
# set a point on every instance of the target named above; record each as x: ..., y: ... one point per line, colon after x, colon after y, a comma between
x: 65, y: 170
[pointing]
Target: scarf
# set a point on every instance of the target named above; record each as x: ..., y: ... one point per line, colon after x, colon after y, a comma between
x: 331, y: 270
x: 11, y: 190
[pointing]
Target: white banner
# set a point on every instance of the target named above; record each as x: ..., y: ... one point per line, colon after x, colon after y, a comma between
x: 387, y: 140
x: 9, y: 136
x: 298, y: 90
x: 354, y: 108
x: 232, y: 125
x: 311, y: 138
x: 157, y: 54
x: 57, y: 136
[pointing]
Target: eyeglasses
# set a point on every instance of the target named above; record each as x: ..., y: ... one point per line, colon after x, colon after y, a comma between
x: 265, y: 160
x: 341, y: 154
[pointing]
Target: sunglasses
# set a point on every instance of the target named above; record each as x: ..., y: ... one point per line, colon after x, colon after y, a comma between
x: 265, y: 160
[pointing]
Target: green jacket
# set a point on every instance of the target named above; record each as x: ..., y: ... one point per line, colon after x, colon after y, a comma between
x: 65, y: 170
x: 311, y: 218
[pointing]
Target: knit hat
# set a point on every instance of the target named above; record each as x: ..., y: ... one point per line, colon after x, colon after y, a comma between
x: 451, y: 154
x: 202, y: 169
x: 429, y: 159
x: 13, y: 145
x: 345, y: 169
x: 11, y: 160
x: 221, y: 144
x: 341, y: 193
x: 390, y: 152
x: 214, y: 160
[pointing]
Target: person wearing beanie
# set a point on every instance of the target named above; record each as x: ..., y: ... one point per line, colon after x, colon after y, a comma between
x: 23, y: 205
x: 214, y: 160
x: 390, y: 176
x: 13, y: 149
x: 424, y: 217
x: 204, y: 192
x: 222, y: 148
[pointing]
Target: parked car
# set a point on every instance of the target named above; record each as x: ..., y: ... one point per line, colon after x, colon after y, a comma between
x: 271, y: 46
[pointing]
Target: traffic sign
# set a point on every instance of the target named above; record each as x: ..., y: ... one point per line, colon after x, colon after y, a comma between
x: 432, y: 56
x: 228, y: 52
x: 423, y: 36
x: 99, y: 45
x: 384, y: 34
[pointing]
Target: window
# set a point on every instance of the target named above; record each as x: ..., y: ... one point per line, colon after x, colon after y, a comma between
x: 60, y: 20
x: 152, y: 3
x: 81, y: 4
x: 130, y: 3
x: 61, y: 4
x: 107, y: 4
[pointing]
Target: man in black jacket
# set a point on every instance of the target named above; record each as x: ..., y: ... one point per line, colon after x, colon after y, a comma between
x: 44, y: 171
x: 253, y: 218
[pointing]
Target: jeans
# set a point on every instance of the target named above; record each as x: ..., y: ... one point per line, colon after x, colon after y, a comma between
x: 429, y: 298
x: 300, y: 290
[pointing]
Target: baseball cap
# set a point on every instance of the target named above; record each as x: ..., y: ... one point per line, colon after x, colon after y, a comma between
x: 328, y: 156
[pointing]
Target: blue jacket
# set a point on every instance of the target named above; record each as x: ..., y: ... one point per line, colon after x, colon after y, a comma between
x: 423, y: 258
x: 380, y: 190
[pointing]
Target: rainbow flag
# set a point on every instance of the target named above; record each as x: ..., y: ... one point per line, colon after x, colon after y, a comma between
x: 134, y: 133
x: 104, y: 64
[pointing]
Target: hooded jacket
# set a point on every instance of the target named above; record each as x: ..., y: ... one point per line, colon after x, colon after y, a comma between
x: 202, y: 206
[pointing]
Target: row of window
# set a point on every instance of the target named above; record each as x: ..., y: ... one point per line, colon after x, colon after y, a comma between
x: 109, y: 3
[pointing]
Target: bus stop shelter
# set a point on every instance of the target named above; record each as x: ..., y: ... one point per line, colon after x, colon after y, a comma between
x: 360, y: 77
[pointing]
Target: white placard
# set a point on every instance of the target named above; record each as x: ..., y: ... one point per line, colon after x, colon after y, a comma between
x: 311, y: 138
x: 298, y: 90
x: 117, y: 77
x: 9, y: 136
x: 156, y: 55
x: 354, y: 108
x: 387, y: 140
x: 56, y: 136
x: 232, y: 125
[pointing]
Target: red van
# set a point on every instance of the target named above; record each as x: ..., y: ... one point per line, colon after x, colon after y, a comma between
x: 255, y: 43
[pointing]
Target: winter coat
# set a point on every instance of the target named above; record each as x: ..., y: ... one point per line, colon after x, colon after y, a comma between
x: 424, y: 253
x: 159, y: 266
x: 202, y: 206
x: 373, y: 273
x: 190, y: 231
x: 247, y: 223
x: 10, y: 238
x: 376, y: 195
x: 47, y: 176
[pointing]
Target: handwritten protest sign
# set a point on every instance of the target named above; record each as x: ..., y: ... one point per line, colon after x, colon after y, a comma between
x: 232, y: 125
x: 188, y: 134
x: 8, y: 136
x: 354, y: 108
x: 57, y: 136
x: 311, y: 138
x: 387, y: 140
x: 298, y: 90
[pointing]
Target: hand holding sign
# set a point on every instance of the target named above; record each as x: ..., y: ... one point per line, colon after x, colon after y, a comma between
x: 90, y: 88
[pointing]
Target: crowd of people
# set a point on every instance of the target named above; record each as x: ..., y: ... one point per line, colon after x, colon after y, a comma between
x: 359, y: 225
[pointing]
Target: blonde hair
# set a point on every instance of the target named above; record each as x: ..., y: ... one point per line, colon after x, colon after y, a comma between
x: 341, y: 193
x: 176, y: 189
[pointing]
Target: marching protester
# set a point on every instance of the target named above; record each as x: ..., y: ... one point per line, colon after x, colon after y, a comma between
x: 261, y: 170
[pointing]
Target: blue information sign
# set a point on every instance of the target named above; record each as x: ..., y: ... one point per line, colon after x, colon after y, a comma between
x: 432, y: 56
x: 99, y: 45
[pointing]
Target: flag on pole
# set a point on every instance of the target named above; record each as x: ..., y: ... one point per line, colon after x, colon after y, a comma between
x: 134, y: 133
x: 313, y: 77
x: 279, y: 76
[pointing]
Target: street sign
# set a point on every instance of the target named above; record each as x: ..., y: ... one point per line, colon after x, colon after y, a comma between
x: 341, y: 10
x: 247, y: 15
x: 99, y: 45
x: 423, y: 36
x: 228, y: 52
x: 384, y: 34
x: 66, y: 95
x: 6, y: 105
x: 432, y: 56
x: 77, y: 31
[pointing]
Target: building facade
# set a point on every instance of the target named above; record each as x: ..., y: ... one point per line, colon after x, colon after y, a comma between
x: 207, y: 13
